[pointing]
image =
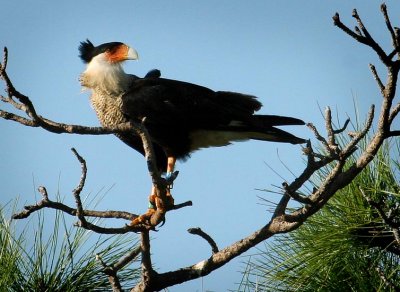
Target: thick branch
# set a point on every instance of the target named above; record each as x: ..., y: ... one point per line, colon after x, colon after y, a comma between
x: 148, y: 274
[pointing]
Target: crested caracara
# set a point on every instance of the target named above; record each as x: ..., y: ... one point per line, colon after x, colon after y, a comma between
x: 180, y: 117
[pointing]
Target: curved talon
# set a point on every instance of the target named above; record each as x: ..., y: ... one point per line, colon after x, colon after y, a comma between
x: 162, y: 222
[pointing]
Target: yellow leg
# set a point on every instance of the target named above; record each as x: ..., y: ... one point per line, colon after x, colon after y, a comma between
x: 170, y: 168
x: 154, y: 202
x: 171, y: 164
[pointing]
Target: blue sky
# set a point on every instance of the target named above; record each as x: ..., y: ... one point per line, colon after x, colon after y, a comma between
x: 288, y: 53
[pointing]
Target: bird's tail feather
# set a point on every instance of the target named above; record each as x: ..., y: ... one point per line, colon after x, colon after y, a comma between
x: 270, y: 120
x: 276, y: 135
x: 262, y: 127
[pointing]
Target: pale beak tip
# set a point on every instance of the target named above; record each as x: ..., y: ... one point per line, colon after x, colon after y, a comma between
x: 132, y: 54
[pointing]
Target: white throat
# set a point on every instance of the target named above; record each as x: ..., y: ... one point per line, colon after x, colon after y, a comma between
x: 102, y: 75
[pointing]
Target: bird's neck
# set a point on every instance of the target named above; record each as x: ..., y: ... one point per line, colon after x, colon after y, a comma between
x: 101, y: 75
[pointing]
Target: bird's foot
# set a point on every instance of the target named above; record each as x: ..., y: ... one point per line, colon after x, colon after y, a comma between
x: 144, y: 218
x: 155, y: 204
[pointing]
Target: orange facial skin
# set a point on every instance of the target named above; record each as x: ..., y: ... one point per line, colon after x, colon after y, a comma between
x: 117, y: 54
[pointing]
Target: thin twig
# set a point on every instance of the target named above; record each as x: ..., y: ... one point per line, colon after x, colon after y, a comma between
x: 342, y: 129
x: 351, y: 147
x: 377, y: 79
x: 394, y: 112
x: 126, y: 259
x: 320, y: 138
x: 78, y: 189
x: 295, y: 195
x: 395, y: 41
x: 365, y: 39
x: 333, y: 148
x: 206, y: 237
x: 3, y: 66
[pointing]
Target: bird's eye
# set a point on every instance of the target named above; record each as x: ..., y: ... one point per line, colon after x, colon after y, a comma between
x: 112, y: 50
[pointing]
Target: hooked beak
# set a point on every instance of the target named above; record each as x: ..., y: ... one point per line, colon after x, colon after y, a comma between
x: 132, y: 54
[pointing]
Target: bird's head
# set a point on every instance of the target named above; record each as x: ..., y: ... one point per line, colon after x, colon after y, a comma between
x: 104, y: 64
x: 113, y: 52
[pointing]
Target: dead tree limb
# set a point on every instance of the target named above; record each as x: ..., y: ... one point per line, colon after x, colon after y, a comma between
x: 206, y: 237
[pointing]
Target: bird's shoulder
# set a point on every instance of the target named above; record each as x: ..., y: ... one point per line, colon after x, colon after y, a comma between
x: 161, y: 90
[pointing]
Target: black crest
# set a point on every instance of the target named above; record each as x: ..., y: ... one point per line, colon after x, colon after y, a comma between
x: 86, y: 51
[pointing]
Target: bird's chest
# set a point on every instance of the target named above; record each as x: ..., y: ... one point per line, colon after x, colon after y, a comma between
x: 108, y: 109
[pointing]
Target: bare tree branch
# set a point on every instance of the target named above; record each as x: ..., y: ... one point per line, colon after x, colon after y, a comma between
x: 111, y: 274
x: 47, y: 203
x: 112, y: 270
x: 148, y: 274
x: 377, y: 79
x: 363, y: 36
x: 206, y: 237
x: 394, y: 35
x: 342, y: 129
x: 394, y: 112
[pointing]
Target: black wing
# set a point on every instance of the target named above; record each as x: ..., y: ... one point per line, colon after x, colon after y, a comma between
x: 171, y: 102
x: 174, y: 110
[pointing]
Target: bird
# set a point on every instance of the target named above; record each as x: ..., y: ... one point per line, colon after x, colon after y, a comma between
x: 180, y: 117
